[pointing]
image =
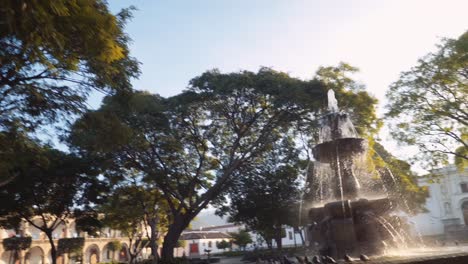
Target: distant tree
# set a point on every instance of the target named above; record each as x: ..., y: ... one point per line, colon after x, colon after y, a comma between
x: 47, y: 194
x: 114, y: 246
x: 52, y: 54
x: 223, y: 244
x: 265, y: 195
x: 427, y: 106
x: 241, y: 238
x: 126, y: 210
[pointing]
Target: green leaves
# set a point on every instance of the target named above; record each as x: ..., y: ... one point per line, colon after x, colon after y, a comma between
x: 16, y: 243
x: 427, y: 105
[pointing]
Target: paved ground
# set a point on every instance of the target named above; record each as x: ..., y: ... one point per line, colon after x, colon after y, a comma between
x: 235, y: 260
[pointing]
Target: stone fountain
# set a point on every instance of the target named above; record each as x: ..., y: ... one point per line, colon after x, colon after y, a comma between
x: 347, y: 223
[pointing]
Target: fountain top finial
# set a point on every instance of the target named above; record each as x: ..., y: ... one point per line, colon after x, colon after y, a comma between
x: 332, y: 102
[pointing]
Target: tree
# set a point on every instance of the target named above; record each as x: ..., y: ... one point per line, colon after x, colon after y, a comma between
x: 241, y: 238
x: 265, y: 195
x: 52, y: 54
x: 427, y: 105
x: 114, y: 246
x: 128, y: 210
x: 223, y: 244
x: 47, y: 194
x: 192, y: 145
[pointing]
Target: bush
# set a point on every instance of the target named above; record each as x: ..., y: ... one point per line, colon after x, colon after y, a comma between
x: 16, y: 243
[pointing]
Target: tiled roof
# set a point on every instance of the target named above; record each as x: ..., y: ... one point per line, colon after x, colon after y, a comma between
x: 218, y: 227
x: 203, y: 235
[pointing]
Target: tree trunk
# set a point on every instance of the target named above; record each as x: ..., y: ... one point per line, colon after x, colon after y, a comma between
x: 175, y: 230
x: 302, y: 237
x: 53, y: 249
x: 154, y: 240
x: 279, y: 239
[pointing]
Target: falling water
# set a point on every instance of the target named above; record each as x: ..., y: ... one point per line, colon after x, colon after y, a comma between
x: 332, y: 102
x: 405, y: 202
x: 400, y: 236
x: 338, y: 171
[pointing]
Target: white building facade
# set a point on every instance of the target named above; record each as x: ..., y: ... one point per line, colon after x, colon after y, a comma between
x: 447, y: 204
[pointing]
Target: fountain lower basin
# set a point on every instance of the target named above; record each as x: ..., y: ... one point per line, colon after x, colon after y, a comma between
x: 349, y: 227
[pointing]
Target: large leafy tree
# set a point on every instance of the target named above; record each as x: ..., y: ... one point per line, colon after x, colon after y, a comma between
x: 46, y: 195
x: 192, y: 145
x: 427, y: 105
x: 52, y: 54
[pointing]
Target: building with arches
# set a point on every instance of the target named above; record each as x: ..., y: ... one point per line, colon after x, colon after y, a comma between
x: 95, y: 249
x: 447, y: 204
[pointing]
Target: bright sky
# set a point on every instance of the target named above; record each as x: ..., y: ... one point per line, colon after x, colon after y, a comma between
x: 177, y: 40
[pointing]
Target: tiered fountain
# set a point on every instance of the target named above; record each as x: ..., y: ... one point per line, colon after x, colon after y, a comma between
x: 344, y: 222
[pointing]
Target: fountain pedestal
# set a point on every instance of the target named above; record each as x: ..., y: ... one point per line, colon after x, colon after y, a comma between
x: 349, y: 224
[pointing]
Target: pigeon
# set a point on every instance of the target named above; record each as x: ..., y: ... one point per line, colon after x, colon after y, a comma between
x: 300, y: 260
x: 286, y: 260
x: 316, y: 260
x: 330, y: 260
x: 307, y: 261
x: 364, y: 257
x: 347, y: 258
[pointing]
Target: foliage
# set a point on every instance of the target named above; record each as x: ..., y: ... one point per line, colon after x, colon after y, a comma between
x: 181, y: 243
x: 427, y: 105
x: 88, y: 221
x: 352, y: 97
x: 70, y: 245
x: 52, y: 54
x: 46, y: 194
x: 114, y: 245
x: 223, y: 244
x: 16, y: 243
x: 129, y: 208
x: 399, y: 180
x: 266, y: 195
x: 192, y: 146
x: 241, y: 238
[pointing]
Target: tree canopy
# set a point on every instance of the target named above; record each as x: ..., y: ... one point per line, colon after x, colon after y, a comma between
x: 266, y: 196
x: 193, y: 145
x: 46, y: 195
x: 427, y: 105
x: 52, y: 54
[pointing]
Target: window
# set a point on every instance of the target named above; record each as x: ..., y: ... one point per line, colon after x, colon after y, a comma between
x: 209, y: 244
x: 448, y: 208
x: 464, y: 187
x: 290, y: 235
